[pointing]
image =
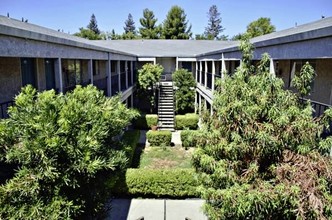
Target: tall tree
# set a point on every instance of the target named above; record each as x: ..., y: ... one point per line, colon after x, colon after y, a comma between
x: 93, y: 25
x: 130, y: 25
x: 149, y: 30
x: 260, y: 27
x: 214, y: 27
x: 176, y: 26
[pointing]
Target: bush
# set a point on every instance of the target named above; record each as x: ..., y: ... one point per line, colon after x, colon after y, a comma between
x: 187, y: 121
x: 144, y: 122
x: 179, y: 183
x: 65, y: 148
x: 159, y: 138
x: 189, y: 138
x: 130, y: 140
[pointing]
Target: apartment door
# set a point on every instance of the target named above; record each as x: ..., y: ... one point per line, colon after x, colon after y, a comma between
x: 28, y: 72
x: 49, y: 74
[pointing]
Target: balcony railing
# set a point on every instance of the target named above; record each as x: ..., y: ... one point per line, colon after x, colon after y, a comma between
x: 4, y: 108
x: 318, y: 107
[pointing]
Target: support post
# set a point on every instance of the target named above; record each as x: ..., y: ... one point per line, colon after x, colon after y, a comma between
x: 59, y: 70
x: 213, y: 75
x: 90, y: 70
x: 119, y: 74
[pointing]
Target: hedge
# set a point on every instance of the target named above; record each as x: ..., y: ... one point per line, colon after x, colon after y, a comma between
x: 159, y: 138
x: 187, y: 121
x: 189, y: 138
x: 144, y: 122
x: 148, y: 183
x: 130, y: 140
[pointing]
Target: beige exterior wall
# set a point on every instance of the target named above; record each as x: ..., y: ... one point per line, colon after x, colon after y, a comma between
x: 10, y: 78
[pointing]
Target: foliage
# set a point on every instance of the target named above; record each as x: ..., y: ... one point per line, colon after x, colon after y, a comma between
x: 130, y: 25
x: 214, y: 27
x: 175, y: 25
x: 190, y: 138
x: 187, y: 121
x: 261, y: 156
x: 115, y: 36
x: 159, y: 138
x: 130, y: 140
x: 65, y: 148
x: 148, y: 76
x: 171, y: 183
x: 145, y: 122
x: 93, y: 25
x: 185, y: 93
x: 302, y: 81
x: 88, y: 34
x: 149, y: 30
x: 259, y: 27
x: 256, y: 28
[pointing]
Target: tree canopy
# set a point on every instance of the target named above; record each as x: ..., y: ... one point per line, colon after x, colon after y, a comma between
x: 185, y: 93
x: 149, y: 29
x: 261, y: 154
x: 93, y: 25
x: 175, y: 25
x: 260, y: 27
x: 214, y: 27
x: 66, y: 152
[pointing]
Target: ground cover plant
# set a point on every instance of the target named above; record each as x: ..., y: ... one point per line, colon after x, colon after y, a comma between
x: 262, y: 155
x: 66, y: 148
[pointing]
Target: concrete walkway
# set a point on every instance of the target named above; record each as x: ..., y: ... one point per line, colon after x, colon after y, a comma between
x: 156, y: 209
x: 176, y: 138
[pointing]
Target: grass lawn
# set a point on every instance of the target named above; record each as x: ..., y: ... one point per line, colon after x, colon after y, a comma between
x: 169, y: 157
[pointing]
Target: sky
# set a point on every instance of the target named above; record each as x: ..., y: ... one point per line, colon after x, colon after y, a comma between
x: 70, y: 15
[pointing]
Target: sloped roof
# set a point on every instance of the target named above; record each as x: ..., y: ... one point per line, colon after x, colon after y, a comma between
x: 17, y: 28
x: 166, y: 48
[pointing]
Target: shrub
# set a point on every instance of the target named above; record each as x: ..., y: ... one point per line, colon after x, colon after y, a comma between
x: 144, y: 122
x: 130, y: 141
x: 189, y: 138
x: 185, y: 94
x: 187, y: 121
x: 179, y: 183
x: 65, y: 148
x: 159, y: 138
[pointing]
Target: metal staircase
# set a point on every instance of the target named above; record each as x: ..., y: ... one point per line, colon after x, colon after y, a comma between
x: 166, y: 106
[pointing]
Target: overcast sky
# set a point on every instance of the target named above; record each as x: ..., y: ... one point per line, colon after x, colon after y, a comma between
x: 70, y: 15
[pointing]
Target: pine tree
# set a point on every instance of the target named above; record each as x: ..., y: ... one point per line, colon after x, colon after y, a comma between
x: 93, y: 25
x: 176, y: 26
x: 149, y: 30
x: 130, y: 25
x: 214, y: 27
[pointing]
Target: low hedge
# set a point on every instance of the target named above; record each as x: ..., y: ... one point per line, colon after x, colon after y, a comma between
x: 159, y: 138
x: 187, y: 121
x: 144, y: 122
x: 190, y: 138
x: 130, y: 140
x: 148, y: 183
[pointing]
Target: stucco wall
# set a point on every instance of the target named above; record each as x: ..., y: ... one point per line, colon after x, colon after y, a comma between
x: 10, y: 78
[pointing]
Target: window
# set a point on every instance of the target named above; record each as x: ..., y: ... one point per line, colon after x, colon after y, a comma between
x: 73, y: 72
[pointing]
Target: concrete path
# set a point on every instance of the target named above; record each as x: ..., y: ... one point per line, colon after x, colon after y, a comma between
x: 156, y: 209
x: 176, y: 138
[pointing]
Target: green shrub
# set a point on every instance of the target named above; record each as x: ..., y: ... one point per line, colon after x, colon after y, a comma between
x: 144, y: 122
x: 187, y: 121
x: 179, y: 183
x: 151, y: 120
x: 66, y: 148
x: 189, y: 138
x: 130, y: 140
x: 158, y: 138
